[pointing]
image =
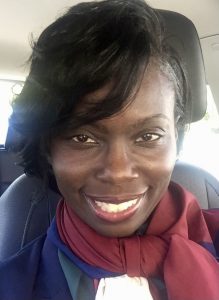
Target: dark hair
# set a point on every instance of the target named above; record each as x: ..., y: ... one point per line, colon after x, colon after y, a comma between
x: 93, y: 44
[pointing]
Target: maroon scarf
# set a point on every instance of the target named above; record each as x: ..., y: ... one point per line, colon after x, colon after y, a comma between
x: 170, y: 248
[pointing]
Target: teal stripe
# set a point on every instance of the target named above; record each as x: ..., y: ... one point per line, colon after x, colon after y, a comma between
x: 80, y: 285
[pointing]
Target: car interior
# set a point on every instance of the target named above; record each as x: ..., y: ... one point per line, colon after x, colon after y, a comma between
x: 27, y: 207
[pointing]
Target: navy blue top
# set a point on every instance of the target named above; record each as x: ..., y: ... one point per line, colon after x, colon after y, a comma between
x: 35, y: 272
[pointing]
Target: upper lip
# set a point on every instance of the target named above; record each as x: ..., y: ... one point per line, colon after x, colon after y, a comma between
x: 114, y: 199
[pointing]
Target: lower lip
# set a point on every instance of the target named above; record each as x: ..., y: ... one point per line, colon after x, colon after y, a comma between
x: 114, y: 217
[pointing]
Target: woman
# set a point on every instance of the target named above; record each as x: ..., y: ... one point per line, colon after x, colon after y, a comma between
x: 100, y: 112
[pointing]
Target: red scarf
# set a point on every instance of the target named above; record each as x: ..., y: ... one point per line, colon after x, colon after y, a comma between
x: 169, y: 249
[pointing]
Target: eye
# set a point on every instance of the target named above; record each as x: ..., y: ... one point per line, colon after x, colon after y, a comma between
x: 83, y: 139
x: 148, y: 137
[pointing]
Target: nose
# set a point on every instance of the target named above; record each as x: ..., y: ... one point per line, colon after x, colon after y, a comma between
x: 118, y: 165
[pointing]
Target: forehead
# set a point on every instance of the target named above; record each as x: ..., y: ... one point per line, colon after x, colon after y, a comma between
x: 154, y: 96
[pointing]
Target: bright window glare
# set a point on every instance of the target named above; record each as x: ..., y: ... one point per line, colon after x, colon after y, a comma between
x: 201, y: 144
x: 8, y: 89
x: 5, y: 98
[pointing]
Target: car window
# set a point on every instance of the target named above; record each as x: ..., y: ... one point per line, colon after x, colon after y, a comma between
x: 8, y: 90
x: 201, y: 143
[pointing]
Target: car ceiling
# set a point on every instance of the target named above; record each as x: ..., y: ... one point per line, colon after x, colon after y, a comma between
x: 20, y: 19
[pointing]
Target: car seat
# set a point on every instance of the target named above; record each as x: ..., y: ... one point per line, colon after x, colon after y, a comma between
x: 27, y: 207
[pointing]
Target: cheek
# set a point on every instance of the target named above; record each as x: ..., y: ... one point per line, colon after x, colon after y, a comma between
x: 71, y: 170
x: 166, y: 160
x: 157, y: 172
x: 160, y: 162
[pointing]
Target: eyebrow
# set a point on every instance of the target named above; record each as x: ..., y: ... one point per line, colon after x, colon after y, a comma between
x: 148, y: 120
x: 137, y: 124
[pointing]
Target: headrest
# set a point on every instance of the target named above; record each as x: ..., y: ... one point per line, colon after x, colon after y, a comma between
x: 182, y: 36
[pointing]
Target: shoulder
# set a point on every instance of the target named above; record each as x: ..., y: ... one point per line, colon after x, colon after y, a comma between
x: 34, y: 273
x: 17, y: 273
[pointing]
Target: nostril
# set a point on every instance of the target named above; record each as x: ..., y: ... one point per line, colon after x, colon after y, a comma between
x: 117, y: 174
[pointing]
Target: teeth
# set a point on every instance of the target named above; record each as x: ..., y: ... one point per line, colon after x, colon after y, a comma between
x: 114, y: 208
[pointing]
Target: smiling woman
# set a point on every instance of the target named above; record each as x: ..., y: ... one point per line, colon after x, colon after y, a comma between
x: 101, y: 168
x: 100, y: 114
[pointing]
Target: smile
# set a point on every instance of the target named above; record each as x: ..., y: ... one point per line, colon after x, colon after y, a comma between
x: 115, y: 209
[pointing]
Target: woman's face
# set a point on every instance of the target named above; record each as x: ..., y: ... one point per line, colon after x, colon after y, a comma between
x: 114, y: 172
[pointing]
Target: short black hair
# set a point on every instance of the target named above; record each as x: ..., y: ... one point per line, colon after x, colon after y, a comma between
x: 91, y: 45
